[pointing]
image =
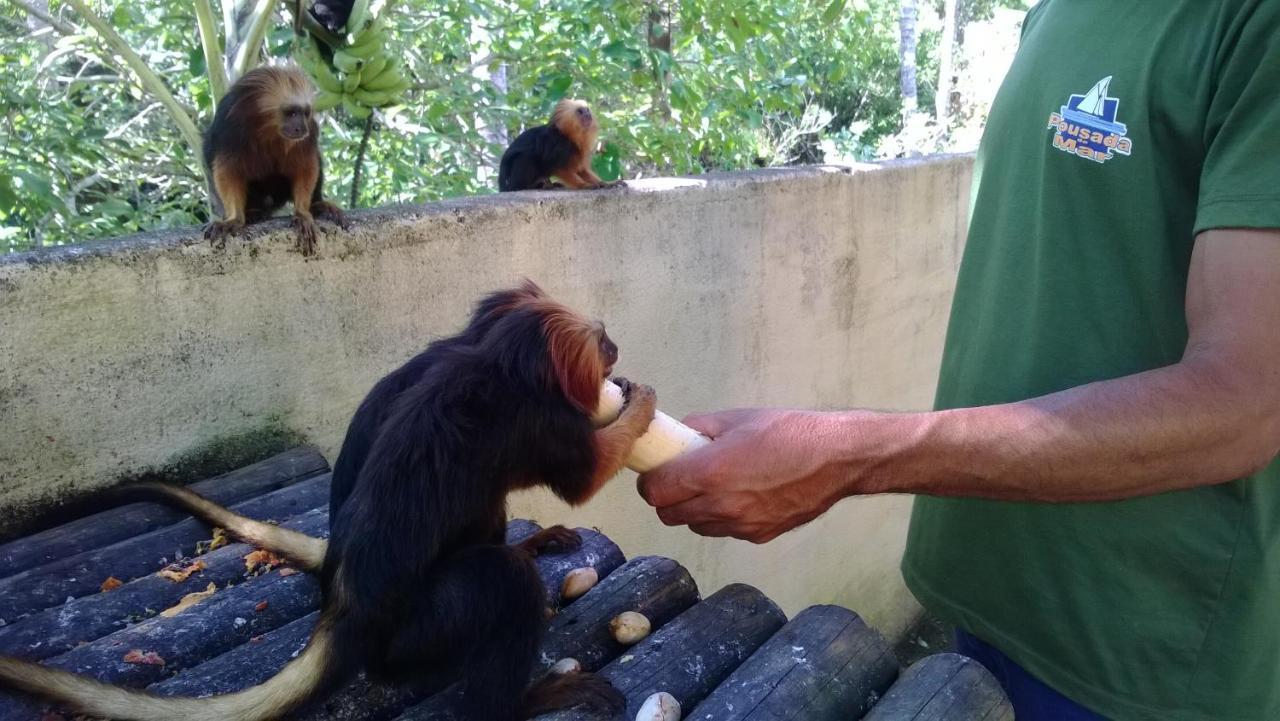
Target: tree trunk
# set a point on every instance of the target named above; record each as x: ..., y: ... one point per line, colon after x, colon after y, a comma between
x: 907, y: 55
x: 946, y: 63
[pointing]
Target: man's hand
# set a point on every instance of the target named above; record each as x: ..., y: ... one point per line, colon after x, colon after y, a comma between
x: 767, y: 472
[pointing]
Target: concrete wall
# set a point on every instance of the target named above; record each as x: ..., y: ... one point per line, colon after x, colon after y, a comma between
x: 805, y: 287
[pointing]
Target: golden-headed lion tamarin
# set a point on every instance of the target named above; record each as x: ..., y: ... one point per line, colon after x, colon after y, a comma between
x: 263, y: 150
x: 417, y: 580
x: 562, y: 148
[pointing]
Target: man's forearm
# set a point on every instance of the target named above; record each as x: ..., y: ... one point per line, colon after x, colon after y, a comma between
x: 1186, y: 425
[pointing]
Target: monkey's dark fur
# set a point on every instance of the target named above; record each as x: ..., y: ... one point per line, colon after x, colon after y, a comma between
x: 417, y: 579
x: 562, y: 148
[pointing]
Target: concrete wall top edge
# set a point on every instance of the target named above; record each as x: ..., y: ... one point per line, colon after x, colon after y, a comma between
x: 278, y: 229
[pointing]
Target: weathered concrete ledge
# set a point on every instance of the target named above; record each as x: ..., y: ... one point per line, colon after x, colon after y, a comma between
x: 800, y: 286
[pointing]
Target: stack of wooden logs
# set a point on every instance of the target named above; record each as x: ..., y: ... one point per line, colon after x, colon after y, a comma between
x: 87, y: 595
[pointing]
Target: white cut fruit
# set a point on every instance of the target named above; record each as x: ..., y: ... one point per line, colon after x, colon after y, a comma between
x: 665, y: 439
x: 577, y: 582
x: 566, y: 666
x: 629, y: 627
x: 661, y: 706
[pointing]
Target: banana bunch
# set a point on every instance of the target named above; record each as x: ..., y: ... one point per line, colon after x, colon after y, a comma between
x: 361, y: 75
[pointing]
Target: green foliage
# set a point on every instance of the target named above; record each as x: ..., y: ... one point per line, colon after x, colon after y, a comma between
x: 678, y: 87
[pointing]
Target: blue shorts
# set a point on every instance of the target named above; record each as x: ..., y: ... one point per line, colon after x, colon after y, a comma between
x: 1032, y: 700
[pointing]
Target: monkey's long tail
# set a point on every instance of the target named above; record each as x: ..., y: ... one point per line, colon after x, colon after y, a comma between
x: 317, y: 668
x: 306, y: 551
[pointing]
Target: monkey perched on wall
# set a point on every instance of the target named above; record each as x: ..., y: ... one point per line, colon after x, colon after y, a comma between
x: 416, y: 577
x: 263, y: 150
x: 562, y: 148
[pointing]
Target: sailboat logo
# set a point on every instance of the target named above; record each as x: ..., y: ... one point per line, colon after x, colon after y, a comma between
x: 1087, y: 127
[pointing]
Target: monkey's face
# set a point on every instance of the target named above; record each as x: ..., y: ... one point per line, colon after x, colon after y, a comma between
x: 584, y: 116
x: 608, y: 350
x: 294, y: 121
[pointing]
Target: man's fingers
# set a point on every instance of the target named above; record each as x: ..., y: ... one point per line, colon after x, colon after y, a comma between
x: 693, y: 511
x: 665, y: 485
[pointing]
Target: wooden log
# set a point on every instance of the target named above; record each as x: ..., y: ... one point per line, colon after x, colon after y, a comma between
x: 228, y: 618
x: 657, y: 587
x: 53, y: 584
x: 944, y: 687
x: 692, y: 654
x: 107, y: 527
x: 56, y: 630
x: 597, y: 552
x: 825, y: 664
x: 258, y: 661
x: 361, y: 698
x: 242, y: 666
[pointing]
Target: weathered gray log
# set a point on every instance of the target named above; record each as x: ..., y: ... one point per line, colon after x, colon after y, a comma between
x: 229, y: 618
x: 944, y: 687
x: 825, y: 664
x: 54, y: 583
x: 692, y: 654
x: 126, y: 521
x: 597, y: 551
x: 657, y: 587
x: 519, y: 529
x: 361, y: 698
x: 243, y: 666
x: 56, y: 630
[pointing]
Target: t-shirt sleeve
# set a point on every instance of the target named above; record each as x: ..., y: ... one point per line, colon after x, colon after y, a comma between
x: 1240, y: 181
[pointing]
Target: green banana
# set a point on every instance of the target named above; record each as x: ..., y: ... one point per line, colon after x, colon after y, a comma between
x: 390, y: 77
x: 373, y: 66
x: 350, y: 82
x: 307, y: 55
x: 376, y: 98
x: 346, y: 62
x: 359, y: 14
x: 367, y: 45
x: 355, y: 109
x: 326, y: 100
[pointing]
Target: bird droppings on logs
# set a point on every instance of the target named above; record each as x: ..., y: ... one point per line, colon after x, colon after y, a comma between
x: 730, y: 657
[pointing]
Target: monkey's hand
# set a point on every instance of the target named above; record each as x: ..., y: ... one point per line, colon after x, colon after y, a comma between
x: 306, y: 231
x: 217, y: 231
x: 328, y: 210
x: 640, y: 405
x: 554, y: 539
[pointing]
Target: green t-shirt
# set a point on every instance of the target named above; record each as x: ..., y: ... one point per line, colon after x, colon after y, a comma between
x: 1121, y: 130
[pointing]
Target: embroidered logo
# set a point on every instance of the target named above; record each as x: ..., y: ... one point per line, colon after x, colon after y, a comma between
x: 1086, y: 126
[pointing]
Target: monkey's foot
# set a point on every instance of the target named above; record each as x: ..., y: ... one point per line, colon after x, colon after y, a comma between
x: 217, y: 231
x: 556, y: 539
x: 306, y: 230
x: 612, y: 184
x: 325, y: 209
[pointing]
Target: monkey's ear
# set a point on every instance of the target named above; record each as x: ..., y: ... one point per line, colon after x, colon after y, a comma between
x: 575, y: 358
x: 531, y: 289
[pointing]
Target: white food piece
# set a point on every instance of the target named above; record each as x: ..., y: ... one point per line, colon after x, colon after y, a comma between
x: 629, y: 627
x: 565, y: 666
x: 578, y: 582
x: 665, y: 439
x: 661, y: 706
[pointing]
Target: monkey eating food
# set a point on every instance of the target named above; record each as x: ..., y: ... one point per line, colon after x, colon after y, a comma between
x: 562, y: 149
x: 263, y: 150
x: 416, y: 577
